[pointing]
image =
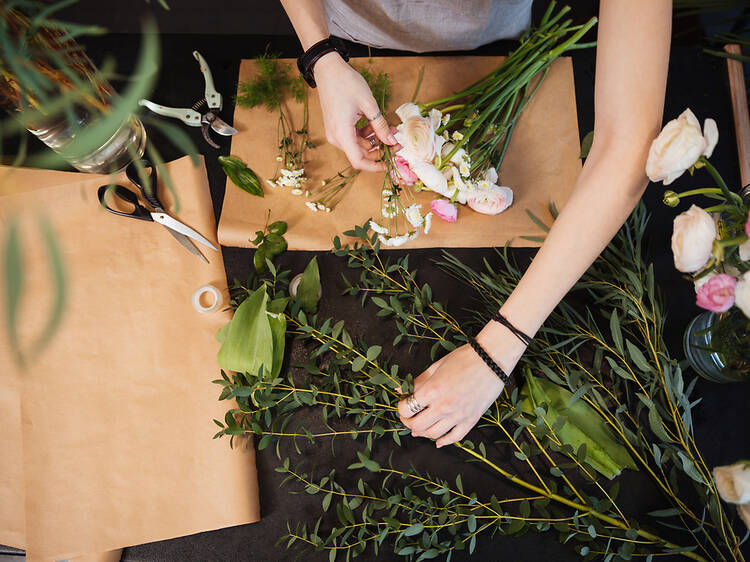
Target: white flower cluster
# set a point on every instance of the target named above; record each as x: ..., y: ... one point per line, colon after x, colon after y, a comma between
x: 415, y: 218
x: 290, y: 178
x: 315, y: 207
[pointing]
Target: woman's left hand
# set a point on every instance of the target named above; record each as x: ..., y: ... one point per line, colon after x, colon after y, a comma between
x: 456, y: 390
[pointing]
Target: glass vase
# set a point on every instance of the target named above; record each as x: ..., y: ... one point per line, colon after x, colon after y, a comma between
x: 57, y: 67
x: 701, y: 355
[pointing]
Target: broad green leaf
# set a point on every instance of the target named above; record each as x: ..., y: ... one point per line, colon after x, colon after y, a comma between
x: 309, y: 287
x: 278, y: 333
x: 221, y: 335
x: 248, y: 346
x: 582, y: 426
x: 240, y: 175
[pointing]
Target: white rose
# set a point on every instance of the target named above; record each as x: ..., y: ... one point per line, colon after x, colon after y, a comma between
x: 742, y: 294
x: 693, y: 237
x: 431, y: 177
x: 733, y: 482
x: 416, y: 134
x: 491, y: 201
x: 678, y: 147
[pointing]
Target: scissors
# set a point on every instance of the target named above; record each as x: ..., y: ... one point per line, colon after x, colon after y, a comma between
x: 181, y: 232
x: 190, y: 115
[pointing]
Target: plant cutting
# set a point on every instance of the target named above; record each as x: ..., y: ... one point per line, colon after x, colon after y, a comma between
x: 601, y: 395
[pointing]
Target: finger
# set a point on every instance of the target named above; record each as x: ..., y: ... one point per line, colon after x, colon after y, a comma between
x: 426, y: 375
x: 456, y: 434
x: 366, y: 131
x: 379, y: 124
x: 371, y: 147
x: 438, y: 429
x: 403, y: 410
x: 356, y: 153
x: 424, y: 420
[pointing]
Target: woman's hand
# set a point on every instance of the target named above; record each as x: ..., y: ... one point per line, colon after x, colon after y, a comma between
x: 456, y: 390
x: 344, y: 98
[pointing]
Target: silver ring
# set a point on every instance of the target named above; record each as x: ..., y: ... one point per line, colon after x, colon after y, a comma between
x: 413, y: 406
x: 378, y: 114
x: 373, y: 142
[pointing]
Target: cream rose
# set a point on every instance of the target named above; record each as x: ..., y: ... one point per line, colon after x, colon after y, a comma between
x: 733, y: 482
x: 490, y: 201
x: 742, y: 294
x: 416, y: 134
x: 678, y: 147
x: 693, y: 237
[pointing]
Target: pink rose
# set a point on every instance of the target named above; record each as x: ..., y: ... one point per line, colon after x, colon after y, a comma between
x: 490, y: 201
x: 747, y: 226
x: 402, y: 173
x: 444, y: 209
x: 717, y: 294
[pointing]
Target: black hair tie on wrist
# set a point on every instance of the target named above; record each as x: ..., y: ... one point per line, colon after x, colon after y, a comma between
x: 516, y: 332
x: 488, y: 360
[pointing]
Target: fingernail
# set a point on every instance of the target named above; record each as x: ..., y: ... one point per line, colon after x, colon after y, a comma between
x: 391, y: 139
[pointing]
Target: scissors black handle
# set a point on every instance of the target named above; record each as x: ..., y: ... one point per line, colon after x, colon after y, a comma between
x: 149, y: 190
x: 138, y: 212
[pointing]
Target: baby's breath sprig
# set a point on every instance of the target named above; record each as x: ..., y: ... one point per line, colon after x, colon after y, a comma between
x: 331, y: 190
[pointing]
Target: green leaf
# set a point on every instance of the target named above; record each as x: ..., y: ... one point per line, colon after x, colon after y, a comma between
x: 274, y: 245
x: 278, y: 227
x: 414, y: 529
x: 637, y: 356
x: 277, y: 322
x: 248, y: 346
x: 586, y: 144
x: 221, y: 335
x: 259, y: 259
x: 309, y: 287
x: 373, y: 352
x: 240, y: 175
x: 583, y: 425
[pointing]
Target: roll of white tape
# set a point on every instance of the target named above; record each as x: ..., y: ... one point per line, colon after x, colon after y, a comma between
x: 197, y: 305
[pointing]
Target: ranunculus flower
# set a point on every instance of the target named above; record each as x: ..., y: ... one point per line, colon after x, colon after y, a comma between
x: 693, y: 237
x: 413, y: 215
x: 733, y: 482
x: 490, y: 201
x: 431, y: 177
x: 678, y: 147
x: 742, y: 294
x: 717, y: 294
x: 416, y: 134
x: 403, y: 174
x: 444, y: 209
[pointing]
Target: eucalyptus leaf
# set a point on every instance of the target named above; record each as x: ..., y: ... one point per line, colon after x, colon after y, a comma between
x: 583, y: 425
x: 240, y: 175
x: 308, y: 291
x: 248, y: 346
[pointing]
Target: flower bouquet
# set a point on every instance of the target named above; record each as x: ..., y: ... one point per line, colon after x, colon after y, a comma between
x: 712, y: 245
x: 454, y: 146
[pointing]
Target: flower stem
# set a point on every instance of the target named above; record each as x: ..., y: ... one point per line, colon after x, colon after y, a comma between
x: 731, y: 196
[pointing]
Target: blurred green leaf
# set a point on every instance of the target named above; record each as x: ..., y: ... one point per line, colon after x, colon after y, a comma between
x: 583, y: 425
x: 308, y: 292
x: 248, y: 346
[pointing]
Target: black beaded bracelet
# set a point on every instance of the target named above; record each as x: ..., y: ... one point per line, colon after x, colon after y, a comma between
x: 488, y: 360
x: 515, y: 331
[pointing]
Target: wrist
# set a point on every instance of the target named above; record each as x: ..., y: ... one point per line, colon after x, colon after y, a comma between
x: 503, y: 347
x: 327, y: 64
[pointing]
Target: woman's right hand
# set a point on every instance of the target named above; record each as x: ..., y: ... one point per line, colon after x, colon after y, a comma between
x: 344, y: 98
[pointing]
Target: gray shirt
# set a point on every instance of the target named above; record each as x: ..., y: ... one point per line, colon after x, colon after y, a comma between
x: 424, y: 25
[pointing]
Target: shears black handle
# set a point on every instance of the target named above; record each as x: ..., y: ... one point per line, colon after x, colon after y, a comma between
x: 149, y: 189
x: 138, y: 212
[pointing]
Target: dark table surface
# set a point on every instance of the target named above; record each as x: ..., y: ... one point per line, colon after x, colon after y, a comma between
x: 722, y: 421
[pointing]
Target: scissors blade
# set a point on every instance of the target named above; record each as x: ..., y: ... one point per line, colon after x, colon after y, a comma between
x: 185, y: 241
x: 174, y: 224
x: 223, y: 128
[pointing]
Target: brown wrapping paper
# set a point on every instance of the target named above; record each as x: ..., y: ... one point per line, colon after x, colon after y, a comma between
x: 107, y: 437
x: 541, y: 165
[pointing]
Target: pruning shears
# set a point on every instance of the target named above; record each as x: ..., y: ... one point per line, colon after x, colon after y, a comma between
x: 191, y: 116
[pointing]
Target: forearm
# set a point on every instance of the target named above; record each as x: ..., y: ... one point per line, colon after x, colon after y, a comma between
x: 631, y: 68
x: 308, y: 18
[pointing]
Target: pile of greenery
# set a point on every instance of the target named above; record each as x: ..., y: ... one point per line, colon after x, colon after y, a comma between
x: 601, y: 395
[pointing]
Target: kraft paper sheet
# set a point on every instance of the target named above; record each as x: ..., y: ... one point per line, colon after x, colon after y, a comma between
x: 541, y: 165
x: 106, y: 438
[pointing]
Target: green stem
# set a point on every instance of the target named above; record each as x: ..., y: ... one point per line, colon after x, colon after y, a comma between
x: 731, y: 196
x: 579, y: 507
